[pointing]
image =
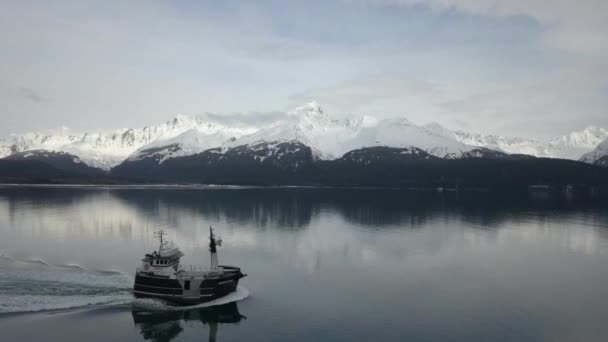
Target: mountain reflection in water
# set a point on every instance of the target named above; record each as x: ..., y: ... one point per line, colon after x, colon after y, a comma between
x: 323, y: 264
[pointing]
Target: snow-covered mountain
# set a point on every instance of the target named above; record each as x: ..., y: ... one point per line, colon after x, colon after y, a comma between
x: 512, y: 145
x: 309, y: 125
x: 328, y: 137
x: 570, y: 146
x: 331, y: 138
x: 107, y: 149
x: 576, y: 144
x: 203, y: 134
x: 599, y: 155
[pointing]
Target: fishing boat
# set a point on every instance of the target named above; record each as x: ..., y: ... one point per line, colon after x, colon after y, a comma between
x: 161, y: 275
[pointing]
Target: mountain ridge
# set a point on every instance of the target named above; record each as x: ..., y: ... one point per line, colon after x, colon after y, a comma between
x: 309, y: 124
x: 598, y: 156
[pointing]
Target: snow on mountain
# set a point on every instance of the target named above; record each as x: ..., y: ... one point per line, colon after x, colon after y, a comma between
x: 402, y: 133
x: 598, y: 156
x: 331, y: 138
x: 107, y: 149
x: 188, y: 143
x: 512, y: 145
x: 437, y: 128
x: 328, y: 138
x: 309, y: 125
x: 570, y: 146
x: 576, y: 144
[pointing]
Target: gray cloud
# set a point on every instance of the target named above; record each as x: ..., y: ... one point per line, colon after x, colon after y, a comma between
x: 247, y: 118
x: 570, y: 100
x: 491, y: 65
x: 31, y: 95
x: 382, y: 94
x: 576, y: 26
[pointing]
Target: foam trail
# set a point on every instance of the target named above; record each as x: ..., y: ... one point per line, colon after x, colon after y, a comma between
x: 154, y: 305
x: 33, y: 304
x: 107, y: 272
x: 39, y: 261
x: 6, y: 257
x: 35, y: 287
x: 74, y: 266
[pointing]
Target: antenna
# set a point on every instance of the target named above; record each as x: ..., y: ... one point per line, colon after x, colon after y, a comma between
x: 160, y: 234
x: 213, y: 249
x: 211, y: 240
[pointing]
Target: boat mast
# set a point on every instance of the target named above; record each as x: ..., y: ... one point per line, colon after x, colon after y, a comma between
x: 213, y: 250
x: 160, y: 235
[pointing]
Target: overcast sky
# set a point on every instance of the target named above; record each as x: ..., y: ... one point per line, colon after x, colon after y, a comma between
x: 532, y: 68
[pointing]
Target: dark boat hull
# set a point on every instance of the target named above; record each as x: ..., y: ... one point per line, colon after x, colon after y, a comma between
x: 185, y: 290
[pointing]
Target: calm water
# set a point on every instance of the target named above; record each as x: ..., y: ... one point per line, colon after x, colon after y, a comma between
x: 335, y: 265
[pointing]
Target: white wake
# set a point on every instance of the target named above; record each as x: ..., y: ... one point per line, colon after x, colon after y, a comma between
x: 154, y: 305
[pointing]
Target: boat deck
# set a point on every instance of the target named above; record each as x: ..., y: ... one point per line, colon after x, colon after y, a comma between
x: 198, y: 271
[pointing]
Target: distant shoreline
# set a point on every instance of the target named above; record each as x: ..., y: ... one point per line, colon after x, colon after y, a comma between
x: 535, y: 191
x: 211, y: 186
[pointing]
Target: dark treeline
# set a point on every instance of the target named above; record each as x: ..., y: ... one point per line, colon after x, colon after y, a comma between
x: 295, y: 164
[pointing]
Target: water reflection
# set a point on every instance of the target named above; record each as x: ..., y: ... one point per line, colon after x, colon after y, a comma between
x: 292, y: 209
x: 168, y: 325
x: 309, y: 223
x: 329, y: 264
x: 263, y: 207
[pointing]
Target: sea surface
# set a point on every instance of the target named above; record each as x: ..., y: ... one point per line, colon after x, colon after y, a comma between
x: 322, y: 264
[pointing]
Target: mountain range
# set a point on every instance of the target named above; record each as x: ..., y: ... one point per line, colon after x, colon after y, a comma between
x: 290, y: 142
x: 329, y: 138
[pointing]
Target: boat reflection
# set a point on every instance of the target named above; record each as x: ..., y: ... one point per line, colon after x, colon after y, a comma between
x: 167, y: 325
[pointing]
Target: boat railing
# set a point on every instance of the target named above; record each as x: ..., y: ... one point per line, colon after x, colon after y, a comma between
x: 186, y: 268
x: 194, y: 268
